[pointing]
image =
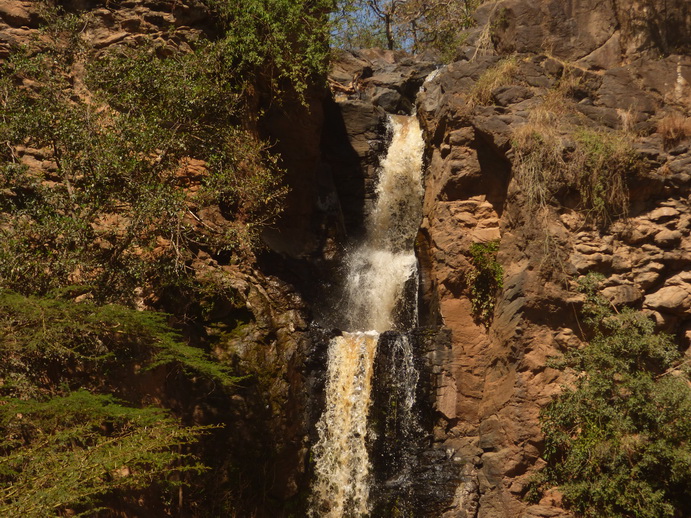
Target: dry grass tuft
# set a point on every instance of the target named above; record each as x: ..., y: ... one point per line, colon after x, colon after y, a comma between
x: 599, y: 166
x: 595, y: 164
x: 499, y: 75
x: 674, y: 128
x: 554, y: 151
x: 539, y: 160
x: 557, y: 102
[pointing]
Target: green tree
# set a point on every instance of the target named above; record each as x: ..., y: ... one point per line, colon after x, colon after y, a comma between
x: 413, y: 25
x: 113, y: 212
x: 67, y: 443
x: 618, y: 440
x: 71, y: 452
x: 278, y: 41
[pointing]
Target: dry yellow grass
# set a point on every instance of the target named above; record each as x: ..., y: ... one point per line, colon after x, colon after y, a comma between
x: 593, y: 163
x: 539, y: 160
x: 499, y: 75
x: 674, y: 128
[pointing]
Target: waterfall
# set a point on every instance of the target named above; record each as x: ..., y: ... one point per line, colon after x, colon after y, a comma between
x: 341, y: 462
x: 379, y: 274
x: 379, y: 268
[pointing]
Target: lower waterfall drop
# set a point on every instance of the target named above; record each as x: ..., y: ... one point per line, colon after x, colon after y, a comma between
x: 342, y: 464
x: 380, y: 272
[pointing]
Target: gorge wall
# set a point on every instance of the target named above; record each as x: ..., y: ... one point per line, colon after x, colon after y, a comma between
x: 549, y: 70
x: 247, y: 319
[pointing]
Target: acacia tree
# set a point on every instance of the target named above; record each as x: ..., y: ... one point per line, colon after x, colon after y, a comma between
x: 388, y: 12
x: 618, y: 438
x: 436, y: 24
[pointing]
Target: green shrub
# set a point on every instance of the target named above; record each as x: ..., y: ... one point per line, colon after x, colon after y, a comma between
x: 485, y: 279
x: 52, y: 343
x: 65, y: 446
x: 618, y: 440
x: 112, y: 212
x: 280, y: 41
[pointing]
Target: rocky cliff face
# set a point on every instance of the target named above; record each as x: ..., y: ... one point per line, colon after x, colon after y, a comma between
x: 609, y: 71
x: 494, y: 379
x: 596, y: 34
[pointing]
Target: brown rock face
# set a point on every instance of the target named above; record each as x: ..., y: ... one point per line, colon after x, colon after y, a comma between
x: 595, y: 33
x: 494, y: 379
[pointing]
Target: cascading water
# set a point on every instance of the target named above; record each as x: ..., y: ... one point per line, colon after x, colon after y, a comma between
x: 378, y: 273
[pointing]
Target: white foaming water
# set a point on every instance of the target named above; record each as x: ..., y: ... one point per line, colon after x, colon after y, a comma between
x: 396, y: 216
x: 342, y: 464
x: 377, y: 273
x: 375, y: 286
x: 380, y: 267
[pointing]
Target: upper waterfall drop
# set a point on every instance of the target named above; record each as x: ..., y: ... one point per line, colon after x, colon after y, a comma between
x: 379, y: 268
x: 374, y: 300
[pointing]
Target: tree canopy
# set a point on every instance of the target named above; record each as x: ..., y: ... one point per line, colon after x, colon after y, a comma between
x: 109, y: 158
x: 413, y: 25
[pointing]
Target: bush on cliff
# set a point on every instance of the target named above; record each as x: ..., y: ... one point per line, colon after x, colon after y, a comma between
x: 485, y: 279
x: 111, y: 210
x: 277, y: 41
x: 618, y: 440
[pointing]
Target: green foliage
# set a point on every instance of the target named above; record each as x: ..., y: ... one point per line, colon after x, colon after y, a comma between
x: 69, y: 452
x: 51, y: 425
x: 56, y: 355
x: 193, y: 97
x: 52, y: 343
x: 283, y: 41
x: 118, y: 167
x: 485, y: 279
x: 618, y: 442
x: 111, y: 211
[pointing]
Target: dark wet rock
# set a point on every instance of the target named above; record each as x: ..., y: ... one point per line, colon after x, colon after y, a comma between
x: 414, y: 476
x: 367, y: 85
